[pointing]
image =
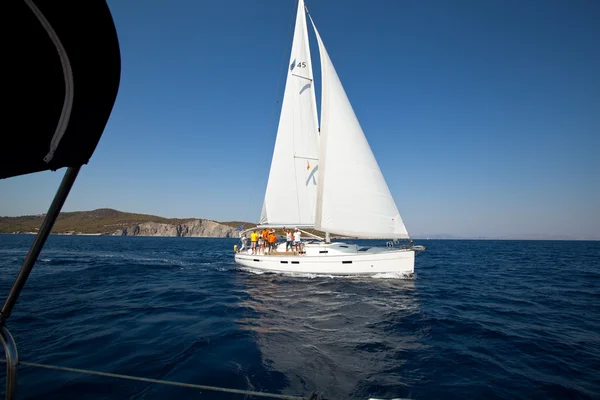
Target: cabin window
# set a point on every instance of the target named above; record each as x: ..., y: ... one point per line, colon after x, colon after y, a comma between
x: 324, y: 251
x: 295, y: 262
x: 364, y: 249
x: 344, y: 246
x: 346, y: 262
x: 283, y: 262
x: 257, y: 260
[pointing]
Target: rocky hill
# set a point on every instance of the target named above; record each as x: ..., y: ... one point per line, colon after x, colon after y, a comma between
x: 107, y: 221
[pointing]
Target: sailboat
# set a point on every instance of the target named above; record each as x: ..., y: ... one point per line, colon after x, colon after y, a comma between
x: 327, y: 178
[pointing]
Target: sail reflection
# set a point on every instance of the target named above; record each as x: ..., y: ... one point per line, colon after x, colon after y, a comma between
x: 336, y: 336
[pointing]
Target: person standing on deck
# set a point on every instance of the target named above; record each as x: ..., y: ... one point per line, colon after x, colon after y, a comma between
x: 261, y: 245
x: 288, y: 240
x: 297, y: 241
x: 265, y: 239
x: 272, y: 240
x: 254, y: 241
x: 244, y: 242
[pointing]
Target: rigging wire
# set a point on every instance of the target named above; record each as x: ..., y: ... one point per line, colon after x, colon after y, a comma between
x: 313, y: 396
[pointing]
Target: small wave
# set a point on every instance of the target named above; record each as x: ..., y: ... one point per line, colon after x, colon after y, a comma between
x: 254, y: 271
x: 156, y: 261
x: 394, y: 275
x: 67, y: 262
x: 305, y: 275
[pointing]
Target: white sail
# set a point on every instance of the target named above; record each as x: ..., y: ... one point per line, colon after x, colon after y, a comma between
x: 291, y: 190
x: 353, y: 198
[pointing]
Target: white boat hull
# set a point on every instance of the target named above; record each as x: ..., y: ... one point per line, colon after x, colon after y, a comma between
x: 333, y: 259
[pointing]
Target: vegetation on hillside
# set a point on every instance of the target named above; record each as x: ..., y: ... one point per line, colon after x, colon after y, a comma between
x: 104, y: 220
x: 235, y: 224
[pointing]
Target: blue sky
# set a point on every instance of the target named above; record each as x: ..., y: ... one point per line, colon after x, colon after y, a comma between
x: 484, y: 115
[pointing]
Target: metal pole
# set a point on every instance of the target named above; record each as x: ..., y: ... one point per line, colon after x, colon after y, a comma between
x: 36, y: 247
x: 12, y: 360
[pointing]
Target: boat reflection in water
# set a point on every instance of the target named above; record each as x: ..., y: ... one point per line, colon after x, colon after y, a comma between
x: 345, y: 338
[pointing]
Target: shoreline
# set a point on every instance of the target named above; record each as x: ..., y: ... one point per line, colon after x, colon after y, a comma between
x: 222, y: 237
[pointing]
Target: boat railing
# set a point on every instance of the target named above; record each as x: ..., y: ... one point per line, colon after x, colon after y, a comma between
x: 12, y: 362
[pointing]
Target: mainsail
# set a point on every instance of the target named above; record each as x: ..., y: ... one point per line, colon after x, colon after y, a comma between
x: 292, y: 187
x: 353, y: 198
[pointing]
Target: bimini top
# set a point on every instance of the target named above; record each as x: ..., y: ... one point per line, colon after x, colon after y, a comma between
x: 62, y: 67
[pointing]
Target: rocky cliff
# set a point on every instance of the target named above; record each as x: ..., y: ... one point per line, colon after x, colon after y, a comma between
x: 192, y: 228
x: 106, y: 221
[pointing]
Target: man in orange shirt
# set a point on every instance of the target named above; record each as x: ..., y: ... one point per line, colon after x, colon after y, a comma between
x: 272, y: 240
x: 265, y: 236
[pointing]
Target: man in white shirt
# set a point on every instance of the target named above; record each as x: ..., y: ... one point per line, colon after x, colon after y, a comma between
x: 244, y: 241
x: 297, y: 241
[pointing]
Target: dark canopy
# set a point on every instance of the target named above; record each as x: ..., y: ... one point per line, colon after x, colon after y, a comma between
x: 61, y: 68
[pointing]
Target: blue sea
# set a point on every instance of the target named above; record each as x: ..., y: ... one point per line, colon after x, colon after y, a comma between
x: 479, y: 320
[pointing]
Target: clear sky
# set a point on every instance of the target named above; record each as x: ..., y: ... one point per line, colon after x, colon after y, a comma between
x: 484, y: 115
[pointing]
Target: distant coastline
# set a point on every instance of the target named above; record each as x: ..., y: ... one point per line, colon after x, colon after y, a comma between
x: 109, y: 222
x: 234, y: 235
x: 334, y: 237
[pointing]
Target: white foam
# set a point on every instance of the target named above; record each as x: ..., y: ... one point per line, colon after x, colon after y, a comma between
x: 383, y: 275
x: 393, y: 275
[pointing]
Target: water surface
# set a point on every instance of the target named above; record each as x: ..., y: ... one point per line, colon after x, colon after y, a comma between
x: 480, y: 319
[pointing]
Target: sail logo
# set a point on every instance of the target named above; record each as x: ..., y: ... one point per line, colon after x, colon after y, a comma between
x: 300, y: 64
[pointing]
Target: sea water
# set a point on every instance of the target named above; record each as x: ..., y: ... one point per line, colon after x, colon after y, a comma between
x: 479, y: 319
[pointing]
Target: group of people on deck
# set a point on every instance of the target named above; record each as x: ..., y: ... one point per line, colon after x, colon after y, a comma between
x: 266, y: 241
